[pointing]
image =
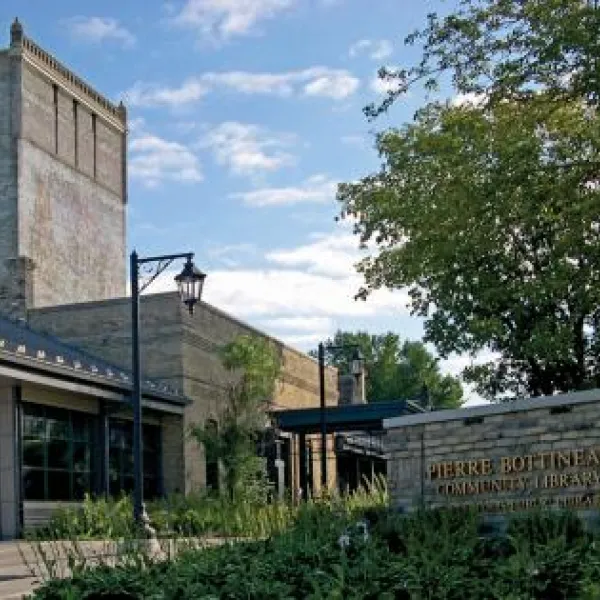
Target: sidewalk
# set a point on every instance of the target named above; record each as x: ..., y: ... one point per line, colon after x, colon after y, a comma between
x: 16, y: 580
x: 21, y: 569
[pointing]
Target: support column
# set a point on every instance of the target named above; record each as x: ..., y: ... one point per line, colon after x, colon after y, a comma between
x: 280, y: 467
x: 11, y: 508
x: 302, y: 471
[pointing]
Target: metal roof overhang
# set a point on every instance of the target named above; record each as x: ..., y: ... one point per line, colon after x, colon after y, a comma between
x: 350, y: 417
x: 31, y: 371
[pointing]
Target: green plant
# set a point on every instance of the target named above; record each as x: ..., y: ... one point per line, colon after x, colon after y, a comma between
x: 320, y: 550
x: 254, y: 366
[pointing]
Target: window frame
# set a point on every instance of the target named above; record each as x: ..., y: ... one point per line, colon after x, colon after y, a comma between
x: 71, y: 437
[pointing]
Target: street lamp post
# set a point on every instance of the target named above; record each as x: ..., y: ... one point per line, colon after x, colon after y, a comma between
x: 190, y: 283
x: 357, y: 360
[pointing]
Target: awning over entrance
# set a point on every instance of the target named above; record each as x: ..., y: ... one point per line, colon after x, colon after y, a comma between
x: 350, y: 417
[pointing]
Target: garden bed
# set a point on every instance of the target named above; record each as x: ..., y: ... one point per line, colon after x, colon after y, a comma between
x: 434, y: 555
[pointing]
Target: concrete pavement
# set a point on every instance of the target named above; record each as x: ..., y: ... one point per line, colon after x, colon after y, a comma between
x: 22, y: 567
x: 16, y: 580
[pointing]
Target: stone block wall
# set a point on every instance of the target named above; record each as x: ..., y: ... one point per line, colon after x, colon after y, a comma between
x: 182, y: 351
x: 72, y: 229
x: 103, y: 328
x: 62, y: 166
x: 541, y: 452
x: 9, y: 470
x: 11, y: 295
x: 37, y: 112
x: 71, y: 209
x: 208, y: 330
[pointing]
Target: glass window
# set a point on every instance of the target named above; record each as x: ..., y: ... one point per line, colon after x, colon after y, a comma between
x: 34, y: 487
x: 57, y: 446
x: 121, y: 458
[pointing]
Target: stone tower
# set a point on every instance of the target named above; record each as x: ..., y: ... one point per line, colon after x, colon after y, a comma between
x: 63, y: 187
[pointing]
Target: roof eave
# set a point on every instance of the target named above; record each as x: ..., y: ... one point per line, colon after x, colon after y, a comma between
x: 70, y: 374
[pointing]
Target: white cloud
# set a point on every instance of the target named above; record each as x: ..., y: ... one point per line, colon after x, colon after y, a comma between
x: 335, y: 84
x: 306, y: 286
x: 96, y: 30
x: 292, y: 293
x: 316, y: 189
x: 143, y: 94
x: 333, y: 255
x: 303, y: 341
x: 222, y: 19
x: 313, y: 81
x: 154, y: 160
x: 374, y: 49
x: 309, y: 324
x: 297, y: 295
x: 317, y: 81
x: 259, y: 294
x: 248, y: 149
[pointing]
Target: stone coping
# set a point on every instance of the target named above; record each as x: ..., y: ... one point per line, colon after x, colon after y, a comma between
x: 501, y: 408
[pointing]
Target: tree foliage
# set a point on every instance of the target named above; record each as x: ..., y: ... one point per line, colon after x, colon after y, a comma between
x: 507, y: 49
x: 487, y: 210
x: 396, y: 370
x: 489, y: 215
x: 254, y: 366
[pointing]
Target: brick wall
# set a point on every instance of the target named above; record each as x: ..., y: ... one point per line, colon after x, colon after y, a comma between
x: 500, y: 458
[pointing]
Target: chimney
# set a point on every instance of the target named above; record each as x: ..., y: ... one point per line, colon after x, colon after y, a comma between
x: 351, y: 387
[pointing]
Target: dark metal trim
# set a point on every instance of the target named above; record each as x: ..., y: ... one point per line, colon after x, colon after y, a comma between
x: 59, y: 372
x: 18, y: 456
x: 105, y: 446
x: 302, y: 474
x: 323, y: 416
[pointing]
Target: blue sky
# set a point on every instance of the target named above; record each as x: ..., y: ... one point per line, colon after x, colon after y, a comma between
x: 244, y: 115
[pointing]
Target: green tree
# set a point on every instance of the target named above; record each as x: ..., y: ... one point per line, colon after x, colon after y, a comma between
x: 489, y: 215
x: 507, y: 49
x: 396, y: 370
x: 254, y: 366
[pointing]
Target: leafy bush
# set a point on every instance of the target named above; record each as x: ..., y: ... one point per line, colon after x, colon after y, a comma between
x: 323, y: 552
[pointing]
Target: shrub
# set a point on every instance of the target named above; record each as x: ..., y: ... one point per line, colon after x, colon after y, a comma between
x: 320, y: 550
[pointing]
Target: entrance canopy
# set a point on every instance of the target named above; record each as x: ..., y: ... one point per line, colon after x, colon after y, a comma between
x: 349, y: 417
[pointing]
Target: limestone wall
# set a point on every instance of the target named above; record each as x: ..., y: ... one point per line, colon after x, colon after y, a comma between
x: 62, y: 158
x: 180, y: 350
x: 72, y: 229
x: 205, y: 379
x: 71, y: 212
x: 500, y: 458
x: 9, y: 470
x: 10, y: 292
